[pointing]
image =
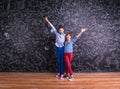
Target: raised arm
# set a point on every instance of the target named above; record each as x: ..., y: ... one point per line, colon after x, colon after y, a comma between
x: 46, y: 19
x: 79, y: 34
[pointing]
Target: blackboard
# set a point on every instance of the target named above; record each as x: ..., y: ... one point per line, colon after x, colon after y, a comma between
x: 27, y: 43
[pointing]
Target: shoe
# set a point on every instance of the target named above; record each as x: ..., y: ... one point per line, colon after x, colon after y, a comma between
x: 71, y: 78
x: 66, y: 76
x: 58, y: 75
x: 61, y: 77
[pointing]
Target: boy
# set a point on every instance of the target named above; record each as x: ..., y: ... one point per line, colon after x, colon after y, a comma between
x: 60, y: 38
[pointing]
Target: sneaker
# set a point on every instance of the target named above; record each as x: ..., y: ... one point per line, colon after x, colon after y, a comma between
x: 66, y: 76
x: 71, y: 78
x: 61, y: 77
x: 58, y: 75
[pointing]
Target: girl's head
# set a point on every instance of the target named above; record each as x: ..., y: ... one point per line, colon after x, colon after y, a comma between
x: 61, y: 29
x: 68, y: 36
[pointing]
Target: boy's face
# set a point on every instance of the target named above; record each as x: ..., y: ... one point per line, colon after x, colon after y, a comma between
x: 61, y: 30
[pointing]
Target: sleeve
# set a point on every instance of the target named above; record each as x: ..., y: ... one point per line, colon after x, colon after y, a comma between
x: 74, y: 39
x: 53, y: 28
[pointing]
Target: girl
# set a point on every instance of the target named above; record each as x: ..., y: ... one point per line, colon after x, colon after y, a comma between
x: 60, y: 38
x: 68, y: 52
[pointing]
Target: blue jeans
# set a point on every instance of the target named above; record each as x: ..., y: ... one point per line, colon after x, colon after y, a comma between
x: 60, y: 58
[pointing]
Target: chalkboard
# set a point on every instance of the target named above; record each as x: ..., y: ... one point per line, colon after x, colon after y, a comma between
x: 27, y: 43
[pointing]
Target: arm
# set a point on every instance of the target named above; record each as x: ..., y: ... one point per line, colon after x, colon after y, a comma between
x: 79, y: 34
x: 46, y: 19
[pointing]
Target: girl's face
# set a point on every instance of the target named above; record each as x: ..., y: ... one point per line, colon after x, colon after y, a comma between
x: 68, y: 37
x: 61, y: 30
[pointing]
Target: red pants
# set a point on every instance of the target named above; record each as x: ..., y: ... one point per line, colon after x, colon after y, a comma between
x: 68, y: 60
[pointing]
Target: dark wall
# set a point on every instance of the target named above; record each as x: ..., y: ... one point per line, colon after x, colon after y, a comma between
x: 27, y: 43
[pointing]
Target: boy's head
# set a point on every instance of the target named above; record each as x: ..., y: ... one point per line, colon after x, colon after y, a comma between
x: 61, y: 29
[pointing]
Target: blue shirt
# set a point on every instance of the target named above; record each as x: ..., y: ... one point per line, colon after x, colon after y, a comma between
x: 60, y: 38
x: 68, y: 48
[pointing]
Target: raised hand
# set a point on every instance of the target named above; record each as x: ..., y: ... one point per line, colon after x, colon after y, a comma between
x: 83, y: 29
x: 46, y: 19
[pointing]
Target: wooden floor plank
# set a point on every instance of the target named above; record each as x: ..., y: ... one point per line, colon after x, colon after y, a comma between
x: 49, y: 81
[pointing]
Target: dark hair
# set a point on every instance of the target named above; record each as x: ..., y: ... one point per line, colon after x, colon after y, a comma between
x: 68, y: 34
x: 60, y: 26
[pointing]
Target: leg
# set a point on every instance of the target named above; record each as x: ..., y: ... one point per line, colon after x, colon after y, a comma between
x: 70, y: 59
x: 66, y: 56
x: 62, y: 61
x: 58, y: 58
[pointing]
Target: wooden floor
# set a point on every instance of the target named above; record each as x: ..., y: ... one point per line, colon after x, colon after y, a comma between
x: 49, y: 81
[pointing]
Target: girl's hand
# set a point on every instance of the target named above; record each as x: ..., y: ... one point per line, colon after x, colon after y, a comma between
x: 83, y: 29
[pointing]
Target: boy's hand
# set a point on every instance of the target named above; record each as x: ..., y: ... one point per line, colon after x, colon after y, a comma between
x: 46, y: 18
x: 83, y: 29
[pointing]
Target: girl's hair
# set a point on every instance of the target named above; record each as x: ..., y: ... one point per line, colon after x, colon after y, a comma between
x: 68, y: 34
